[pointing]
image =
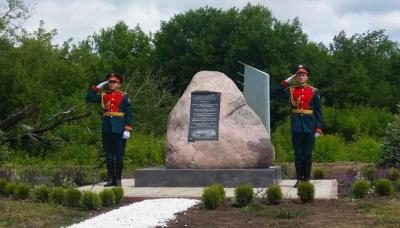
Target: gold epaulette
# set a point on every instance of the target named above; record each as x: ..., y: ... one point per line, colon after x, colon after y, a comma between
x: 313, y: 88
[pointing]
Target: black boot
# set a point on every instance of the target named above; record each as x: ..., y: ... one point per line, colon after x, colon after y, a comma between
x: 118, y: 174
x: 299, y: 173
x: 110, y: 174
x: 307, y: 170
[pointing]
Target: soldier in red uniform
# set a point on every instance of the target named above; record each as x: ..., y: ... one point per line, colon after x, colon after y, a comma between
x: 306, y: 118
x: 116, y: 124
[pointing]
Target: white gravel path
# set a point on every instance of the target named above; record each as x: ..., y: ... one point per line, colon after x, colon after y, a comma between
x: 147, y: 213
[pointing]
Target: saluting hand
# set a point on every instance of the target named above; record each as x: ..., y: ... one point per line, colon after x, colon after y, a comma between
x: 101, y: 85
x: 289, y: 79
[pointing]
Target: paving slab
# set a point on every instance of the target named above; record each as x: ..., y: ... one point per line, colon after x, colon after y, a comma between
x: 324, y: 189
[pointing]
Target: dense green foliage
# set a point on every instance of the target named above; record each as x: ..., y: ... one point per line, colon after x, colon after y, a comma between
x: 391, y: 149
x: 213, y: 197
x: 119, y: 194
x: 41, y: 193
x: 306, y: 191
x: 360, y: 188
x: 274, y: 194
x: 383, y: 187
x: 107, y: 197
x: 72, y: 197
x: 22, y: 192
x: 244, y: 195
x: 357, y: 76
x: 90, y: 200
x: 10, y: 188
x: 3, y: 184
x: 57, y: 195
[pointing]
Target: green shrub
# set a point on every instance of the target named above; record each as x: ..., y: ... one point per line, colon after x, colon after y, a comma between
x: 390, y: 150
x: 107, y: 197
x: 274, y: 194
x: 119, y: 194
x: 10, y: 189
x: 393, y: 174
x: 243, y: 195
x: 221, y: 189
x: 57, y: 195
x: 3, y: 183
x: 383, y: 187
x: 328, y: 148
x: 364, y: 149
x: 281, y: 138
x: 360, y: 188
x: 145, y: 150
x: 41, y: 193
x: 72, y: 197
x: 306, y: 191
x: 318, y: 173
x: 22, y: 192
x: 90, y: 200
x: 212, y: 197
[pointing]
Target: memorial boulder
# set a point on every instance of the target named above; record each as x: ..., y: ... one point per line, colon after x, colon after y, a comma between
x: 212, y: 127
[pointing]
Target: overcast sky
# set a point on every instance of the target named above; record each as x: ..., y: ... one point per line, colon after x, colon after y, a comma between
x: 321, y: 20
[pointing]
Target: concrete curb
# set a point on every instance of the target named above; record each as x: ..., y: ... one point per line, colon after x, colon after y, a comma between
x: 324, y: 189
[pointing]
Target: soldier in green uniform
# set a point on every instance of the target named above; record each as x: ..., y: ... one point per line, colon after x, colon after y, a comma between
x: 116, y: 124
x: 306, y: 118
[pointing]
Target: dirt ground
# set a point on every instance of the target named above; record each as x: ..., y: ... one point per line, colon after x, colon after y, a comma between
x: 321, y: 213
x: 343, y: 212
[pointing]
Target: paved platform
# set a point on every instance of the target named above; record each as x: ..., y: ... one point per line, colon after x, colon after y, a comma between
x: 324, y: 189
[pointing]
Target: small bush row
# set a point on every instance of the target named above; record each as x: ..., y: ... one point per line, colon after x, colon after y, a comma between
x: 382, y: 187
x: 214, y: 195
x: 71, y: 197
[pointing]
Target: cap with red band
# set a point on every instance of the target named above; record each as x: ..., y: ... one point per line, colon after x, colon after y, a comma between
x: 114, y: 77
x: 301, y: 68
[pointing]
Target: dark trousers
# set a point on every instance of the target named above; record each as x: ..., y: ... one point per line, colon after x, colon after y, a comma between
x: 303, y: 144
x: 114, y: 146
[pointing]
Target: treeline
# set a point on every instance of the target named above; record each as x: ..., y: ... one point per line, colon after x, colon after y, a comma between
x: 357, y: 72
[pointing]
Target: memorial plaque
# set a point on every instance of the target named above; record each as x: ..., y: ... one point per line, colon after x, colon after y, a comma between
x: 204, y: 116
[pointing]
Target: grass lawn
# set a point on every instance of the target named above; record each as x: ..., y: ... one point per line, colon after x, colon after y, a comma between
x: 17, y: 213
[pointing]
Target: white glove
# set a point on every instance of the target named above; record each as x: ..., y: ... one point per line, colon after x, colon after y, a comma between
x: 101, y: 85
x: 126, y: 135
x: 289, y: 79
x: 317, y: 134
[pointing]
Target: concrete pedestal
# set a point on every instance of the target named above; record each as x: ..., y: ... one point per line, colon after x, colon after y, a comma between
x: 163, y: 177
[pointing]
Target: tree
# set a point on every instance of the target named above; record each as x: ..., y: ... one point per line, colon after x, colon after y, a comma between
x: 124, y: 50
x: 391, y: 145
x: 12, y: 14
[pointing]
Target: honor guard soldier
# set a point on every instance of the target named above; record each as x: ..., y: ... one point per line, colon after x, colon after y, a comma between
x: 306, y: 118
x: 116, y: 124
